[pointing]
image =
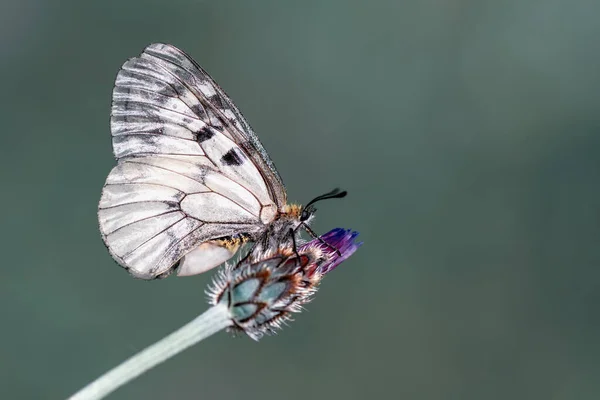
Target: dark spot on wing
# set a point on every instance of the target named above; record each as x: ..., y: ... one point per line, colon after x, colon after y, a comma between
x: 204, y: 134
x: 199, y: 110
x: 232, y: 157
x: 215, y: 100
x: 163, y: 89
x: 201, y: 176
x: 214, y: 121
x: 148, y: 140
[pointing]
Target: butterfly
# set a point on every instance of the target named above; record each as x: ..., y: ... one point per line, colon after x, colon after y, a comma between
x: 192, y: 181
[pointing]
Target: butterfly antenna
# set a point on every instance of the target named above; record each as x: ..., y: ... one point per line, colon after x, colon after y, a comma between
x: 336, y: 193
x: 309, y: 209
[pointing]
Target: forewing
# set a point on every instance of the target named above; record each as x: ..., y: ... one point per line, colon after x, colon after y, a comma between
x: 225, y: 112
x: 165, y: 103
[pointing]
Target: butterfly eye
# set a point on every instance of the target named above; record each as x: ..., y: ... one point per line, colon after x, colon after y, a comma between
x: 307, y: 212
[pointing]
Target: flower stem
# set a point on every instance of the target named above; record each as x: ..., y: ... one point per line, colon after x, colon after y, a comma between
x: 211, y: 321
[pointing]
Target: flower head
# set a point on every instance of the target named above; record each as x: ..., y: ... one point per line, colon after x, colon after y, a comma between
x: 263, y: 290
x: 336, y: 245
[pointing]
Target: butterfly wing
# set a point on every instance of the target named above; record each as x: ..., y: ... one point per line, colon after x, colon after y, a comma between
x: 220, y: 109
x: 190, y: 169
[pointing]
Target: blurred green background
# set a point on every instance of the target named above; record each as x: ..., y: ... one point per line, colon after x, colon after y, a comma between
x: 466, y: 132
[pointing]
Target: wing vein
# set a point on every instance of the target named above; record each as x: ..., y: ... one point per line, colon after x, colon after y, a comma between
x: 151, y: 184
x: 154, y: 105
x: 142, y: 134
x: 147, y: 218
x: 141, y: 244
x: 168, y: 202
x: 135, y: 160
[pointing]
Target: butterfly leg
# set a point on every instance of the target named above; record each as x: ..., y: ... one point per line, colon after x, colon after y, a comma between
x: 315, y: 236
x: 295, y: 247
x: 243, y: 259
x: 257, y: 243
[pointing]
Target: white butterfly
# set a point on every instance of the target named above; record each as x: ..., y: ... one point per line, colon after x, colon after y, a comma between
x: 192, y: 181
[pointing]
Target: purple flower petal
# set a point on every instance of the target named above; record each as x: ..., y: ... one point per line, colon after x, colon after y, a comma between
x: 340, y: 239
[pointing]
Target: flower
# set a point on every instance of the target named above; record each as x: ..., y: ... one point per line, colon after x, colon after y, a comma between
x: 262, y: 291
x: 254, y: 296
x: 337, y: 244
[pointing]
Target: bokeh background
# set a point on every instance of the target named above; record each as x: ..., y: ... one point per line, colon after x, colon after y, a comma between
x: 466, y: 132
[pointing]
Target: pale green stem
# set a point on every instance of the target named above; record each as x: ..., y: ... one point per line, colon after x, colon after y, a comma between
x: 211, y: 321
